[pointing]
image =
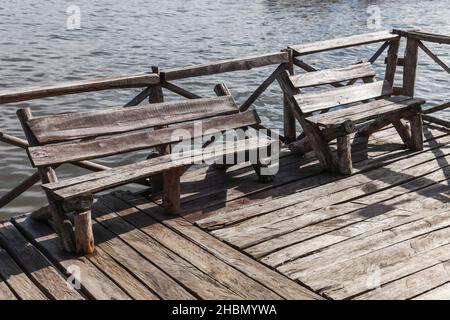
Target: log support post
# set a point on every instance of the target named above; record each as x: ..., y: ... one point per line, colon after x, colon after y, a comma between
x: 171, y: 191
x: 416, y: 123
x: 288, y: 116
x: 410, y: 67
x: 344, y: 151
x: 391, y: 61
x: 155, y: 96
x: 62, y: 223
x: 320, y: 146
x: 403, y: 131
x: 84, y: 237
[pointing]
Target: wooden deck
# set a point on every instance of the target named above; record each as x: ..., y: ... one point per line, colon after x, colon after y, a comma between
x: 383, y: 232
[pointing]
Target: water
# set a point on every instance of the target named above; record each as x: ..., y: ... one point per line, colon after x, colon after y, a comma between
x: 119, y: 37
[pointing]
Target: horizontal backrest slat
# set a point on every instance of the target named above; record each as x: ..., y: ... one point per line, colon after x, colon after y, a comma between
x: 120, y: 143
x: 310, y: 102
x: 72, y: 126
x: 329, y: 76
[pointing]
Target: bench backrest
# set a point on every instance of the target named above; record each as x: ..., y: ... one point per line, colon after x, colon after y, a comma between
x: 341, y: 94
x: 88, y: 135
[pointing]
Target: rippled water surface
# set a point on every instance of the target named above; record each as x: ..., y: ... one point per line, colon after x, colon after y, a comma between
x: 130, y: 36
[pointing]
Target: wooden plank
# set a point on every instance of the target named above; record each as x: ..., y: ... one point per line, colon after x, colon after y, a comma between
x: 245, y: 63
x: 330, y: 225
x: 240, y: 190
x: 262, y: 87
x: 49, y: 280
x: 434, y: 57
x: 190, y: 251
x: 119, y: 82
x: 115, y: 144
x: 330, y: 76
x: 5, y: 291
x: 278, y: 221
x: 273, y: 280
x: 71, y: 126
x: 17, y: 279
x: 368, y: 111
x: 344, y: 42
x: 101, y: 276
x: 412, y: 285
x: 424, y: 36
x: 310, y: 102
x: 394, y: 262
x: 370, y: 240
x: 180, y: 91
x: 340, y: 115
x: 145, y: 270
x: 439, y: 293
x: 94, y: 182
x: 199, y: 283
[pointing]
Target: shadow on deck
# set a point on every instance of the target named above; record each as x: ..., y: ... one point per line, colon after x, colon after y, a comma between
x: 383, y: 232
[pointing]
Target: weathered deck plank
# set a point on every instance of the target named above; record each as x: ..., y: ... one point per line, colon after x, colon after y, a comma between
x: 22, y: 285
x: 381, y: 233
x: 272, y: 280
x: 51, y: 282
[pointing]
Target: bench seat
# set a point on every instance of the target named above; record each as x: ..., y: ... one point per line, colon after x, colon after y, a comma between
x: 366, y: 111
x: 99, y: 181
x: 160, y: 126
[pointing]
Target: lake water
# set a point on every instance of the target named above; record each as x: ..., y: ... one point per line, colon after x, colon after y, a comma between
x: 118, y: 37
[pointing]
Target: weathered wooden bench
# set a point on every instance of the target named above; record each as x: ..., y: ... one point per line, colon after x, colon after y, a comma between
x: 65, y: 138
x: 363, y: 108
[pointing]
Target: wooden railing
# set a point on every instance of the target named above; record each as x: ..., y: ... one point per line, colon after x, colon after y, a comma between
x: 153, y: 83
x: 415, y: 41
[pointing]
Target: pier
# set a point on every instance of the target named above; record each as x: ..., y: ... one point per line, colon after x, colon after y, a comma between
x: 382, y: 232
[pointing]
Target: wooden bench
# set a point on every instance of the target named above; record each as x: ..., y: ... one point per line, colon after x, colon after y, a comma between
x: 65, y: 138
x: 363, y: 108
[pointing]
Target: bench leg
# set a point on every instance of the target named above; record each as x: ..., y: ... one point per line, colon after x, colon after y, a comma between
x: 344, y: 151
x: 62, y: 225
x: 320, y: 146
x: 84, y: 237
x: 265, y: 178
x: 416, y: 132
x: 171, y: 191
x: 403, y: 131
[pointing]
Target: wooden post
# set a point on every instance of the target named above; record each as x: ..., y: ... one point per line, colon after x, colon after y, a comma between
x: 84, y: 237
x: 403, y: 131
x: 320, y: 146
x: 391, y: 61
x: 344, y: 151
x: 155, y: 96
x: 416, y: 132
x: 48, y: 175
x: 289, y: 119
x: 171, y: 192
x: 410, y: 67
